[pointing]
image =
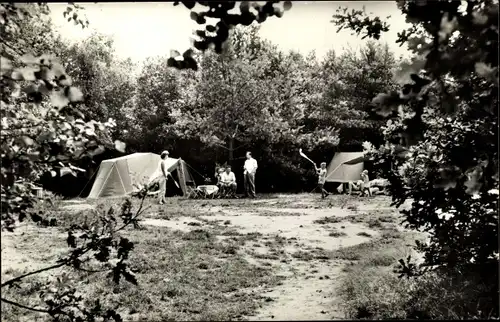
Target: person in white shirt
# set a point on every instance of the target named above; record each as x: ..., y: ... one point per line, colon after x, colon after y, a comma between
x: 250, y: 168
x: 321, y: 172
x: 164, y: 176
x: 228, y: 182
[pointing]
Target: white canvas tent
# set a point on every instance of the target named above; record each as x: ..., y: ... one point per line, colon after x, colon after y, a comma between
x: 345, y: 167
x: 121, y: 176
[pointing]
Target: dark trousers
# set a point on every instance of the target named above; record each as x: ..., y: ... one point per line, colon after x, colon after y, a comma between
x: 228, y: 189
x: 324, y: 193
x: 250, y: 184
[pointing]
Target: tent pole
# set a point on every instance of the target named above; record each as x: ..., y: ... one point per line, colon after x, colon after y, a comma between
x: 182, y: 178
x: 89, y: 181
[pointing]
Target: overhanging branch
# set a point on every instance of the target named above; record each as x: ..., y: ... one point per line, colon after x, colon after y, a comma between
x: 24, y: 306
x: 16, y: 279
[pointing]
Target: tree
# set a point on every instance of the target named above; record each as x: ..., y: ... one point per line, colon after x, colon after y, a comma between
x: 43, y: 127
x: 351, y: 80
x: 105, y: 81
x: 238, y: 102
x: 442, y: 133
x: 157, y: 95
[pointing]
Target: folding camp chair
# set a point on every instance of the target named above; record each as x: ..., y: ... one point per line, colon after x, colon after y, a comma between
x: 192, y: 191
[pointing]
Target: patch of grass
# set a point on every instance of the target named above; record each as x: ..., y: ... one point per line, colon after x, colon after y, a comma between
x: 336, y: 233
x: 353, y: 253
x: 364, y: 234
x: 389, y: 241
x: 374, y: 293
x: 304, y: 256
x: 228, y: 248
x: 197, y: 234
x: 314, y: 253
x: 375, y: 223
x: 181, y: 277
x: 328, y: 220
x: 280, y: 241
x: 391, y: 233
x: 253, y: 236
x: 26, y: 293
x: 266, y: 256
x: 387, y: 219
x: 230, y: 232
x: 353, y: 208
x: 356, y: 219
x: 369, y: 289
x: 370, y: 293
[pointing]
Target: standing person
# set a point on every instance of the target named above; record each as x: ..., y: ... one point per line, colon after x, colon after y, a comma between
x: 250, y: 168
x: 321, y: 171
x: 164, y: 176
x: 228, y: 180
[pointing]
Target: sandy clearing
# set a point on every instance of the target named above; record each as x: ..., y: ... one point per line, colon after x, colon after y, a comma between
x: 14, y: 254
x: 177, y: 223
x: 321, y: 212
x: 304, y: 296
x: 301, y: 227
x: 308, y: 291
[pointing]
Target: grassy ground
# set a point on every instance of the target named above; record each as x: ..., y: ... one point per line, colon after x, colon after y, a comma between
x: 370, y: 288
x: 226, y: 259
x: 182, y: 275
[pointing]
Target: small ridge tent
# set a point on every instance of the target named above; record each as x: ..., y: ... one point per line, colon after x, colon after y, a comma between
x: 345, y: 167
x: 121, y: 176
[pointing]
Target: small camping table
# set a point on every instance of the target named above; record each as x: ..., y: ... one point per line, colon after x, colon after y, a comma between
x: 208, y: 190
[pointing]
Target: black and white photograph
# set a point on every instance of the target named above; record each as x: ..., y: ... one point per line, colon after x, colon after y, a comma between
x: 249, y: 161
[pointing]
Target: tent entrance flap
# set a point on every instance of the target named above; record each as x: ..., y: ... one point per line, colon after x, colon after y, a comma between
x: 345, y: 167
x: 120, y: 176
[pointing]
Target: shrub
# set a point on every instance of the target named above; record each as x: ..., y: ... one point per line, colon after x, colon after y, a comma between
x: 441, y: 142
x: 374, y: 293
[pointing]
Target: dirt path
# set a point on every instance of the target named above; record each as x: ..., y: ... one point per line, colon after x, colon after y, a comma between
x: 307, y: 292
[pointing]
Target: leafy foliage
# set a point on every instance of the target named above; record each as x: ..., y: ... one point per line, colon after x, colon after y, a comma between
x: 237, y: 101
x: 214, y: 36
x: 43, y: 127
x: 105, y: 81
x: 441, y: 138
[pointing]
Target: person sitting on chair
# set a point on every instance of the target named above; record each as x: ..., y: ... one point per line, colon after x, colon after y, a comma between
x: 218, y: 177
x: 228, y: 180
x: 362, y: 185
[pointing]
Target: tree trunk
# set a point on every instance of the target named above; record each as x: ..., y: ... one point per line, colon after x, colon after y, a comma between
x: 231, y: 150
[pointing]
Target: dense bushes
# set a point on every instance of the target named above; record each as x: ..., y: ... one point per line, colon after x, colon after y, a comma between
x: 441, y: 150
x: 375, y: 293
